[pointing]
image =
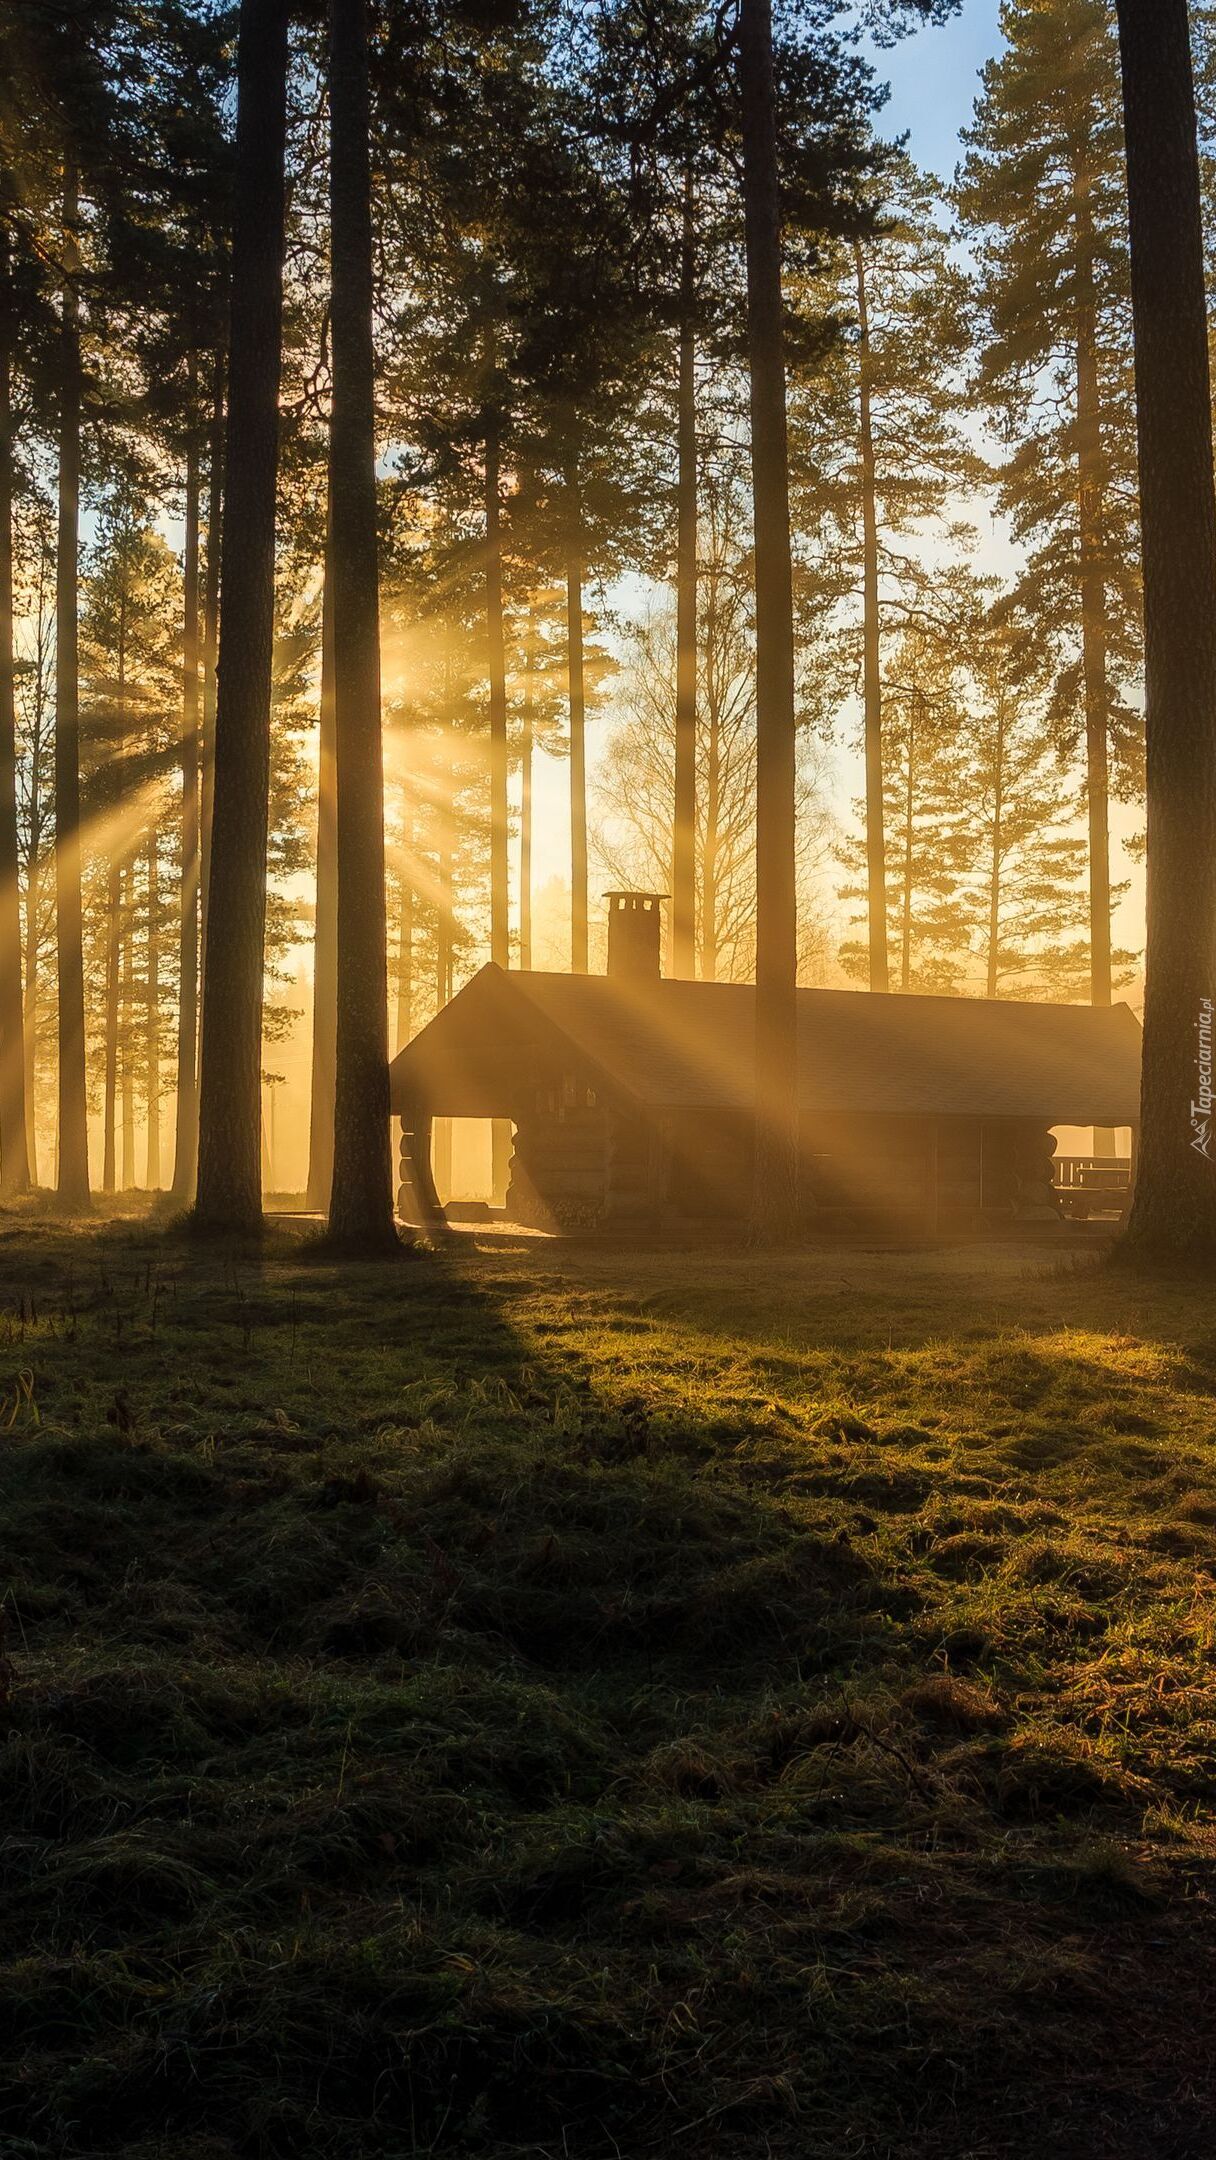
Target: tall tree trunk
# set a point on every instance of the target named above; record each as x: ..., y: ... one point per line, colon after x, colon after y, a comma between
x: 711, y: 842
x: 405, y: 944
x: 496, y: 640
x: 1091, y: 521
x: 445, y: 807
x: 325, y: 928
x: 445, y: 919
x: 152, y: 1014
x: 994, y: 873
x: 527, y: 749
x: 185, y: 1146
x: 876, y: 849
x: 905, y: 924
x: 1174, y: 1209
x: 684, y: 833
x: 14, y: 1152
x: 33, y: 903
x: 33, y: 912
x: 445, y: 916
x: 126, y: 1026
x: 211, y: 639
x: 500, y: 946
x: 73, y: 1177
x: 114, y: 925
x: 775, y: 1198
x: 361, y: 1202
x: 109, y: 1159
x: 230, y: 1082
x: 578, y: 723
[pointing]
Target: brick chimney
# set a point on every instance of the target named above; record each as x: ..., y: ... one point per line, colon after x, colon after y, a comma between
x: 634, y: 935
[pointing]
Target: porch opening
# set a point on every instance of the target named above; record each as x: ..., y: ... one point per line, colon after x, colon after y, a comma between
x: 471, y: 1160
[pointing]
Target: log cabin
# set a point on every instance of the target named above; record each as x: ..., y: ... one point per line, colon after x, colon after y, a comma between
x: 630, y: 1097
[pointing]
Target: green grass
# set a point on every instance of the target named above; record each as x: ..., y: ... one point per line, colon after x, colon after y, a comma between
x: 546, y: 1700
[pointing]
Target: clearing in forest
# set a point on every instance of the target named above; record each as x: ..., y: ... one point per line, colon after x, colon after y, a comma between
x: 543, y: 1700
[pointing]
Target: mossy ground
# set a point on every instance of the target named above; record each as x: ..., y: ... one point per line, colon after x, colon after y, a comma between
x: 544, y: 1700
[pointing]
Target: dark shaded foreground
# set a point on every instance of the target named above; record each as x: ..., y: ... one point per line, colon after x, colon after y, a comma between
x: 539, y: 1700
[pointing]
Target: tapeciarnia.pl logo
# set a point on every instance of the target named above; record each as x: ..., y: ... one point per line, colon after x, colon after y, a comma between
x: 1201, y: 1108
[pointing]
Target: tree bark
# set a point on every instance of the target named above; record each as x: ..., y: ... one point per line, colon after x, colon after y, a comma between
x: 712, y: 830
x: 905, y: 904
x: 73, y: 1175
x: 325, y: 927
x: 526, y: 752
x: 876, y: 850
x: 1174, y: 1209
x: 500, y: 944
x: 405, y: 945
x: 211, y: 639
x: 496, y: 639
x: 1090, y: 516
x: 775, y: 1197
x: 684, y: 816
x: 109, y: 1156
x: 230, y: 1083
x: 114, y: 912
x: 361, y: 1202
x: 33, y: 903
x: 185, y: 1148
x: 578, y: 727
x: 152, y: 1015
x: 445, y: 919
x: 445, y: 807
x: 126, y: 1025
x: 994, y: 874
x: 14, y: 1151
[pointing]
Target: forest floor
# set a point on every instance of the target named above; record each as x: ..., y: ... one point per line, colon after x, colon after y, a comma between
x: 545, y: 1700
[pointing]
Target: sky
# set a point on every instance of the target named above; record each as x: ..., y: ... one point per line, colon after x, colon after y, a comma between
x: 933, y: 83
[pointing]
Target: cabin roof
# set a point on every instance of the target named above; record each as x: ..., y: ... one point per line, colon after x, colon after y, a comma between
x: 688, y: 1045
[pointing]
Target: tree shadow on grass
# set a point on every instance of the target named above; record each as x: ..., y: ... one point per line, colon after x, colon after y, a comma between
x: 415, y: 1746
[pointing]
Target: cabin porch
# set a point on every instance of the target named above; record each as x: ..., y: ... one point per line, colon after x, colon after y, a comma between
x: 580, y: 1161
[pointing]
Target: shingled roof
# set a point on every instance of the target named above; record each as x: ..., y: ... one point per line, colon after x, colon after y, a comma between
x: 688, y: 1045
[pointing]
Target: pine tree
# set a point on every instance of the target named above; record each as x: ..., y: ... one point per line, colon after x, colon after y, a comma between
x: 360, y: 1208
x: 63, y: 152
x: 229, y: 1176
x: 538, y: 668
x: 1030, y: 903
x: 1041, y: 197
x: 130, y: 687
x: 684, y: 776
x: 634, y: 785
x: 73, y: 1181
x: 35, y: 676
x: 775, y: 1202
x: 185, y: 1146
x: 586, y: 357
x: 1174, y: 1206
x: 880, y: 457
x: 14, y: 1150
x: 325, y: 922
x: 168, y: 243
x: 928, y: 817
